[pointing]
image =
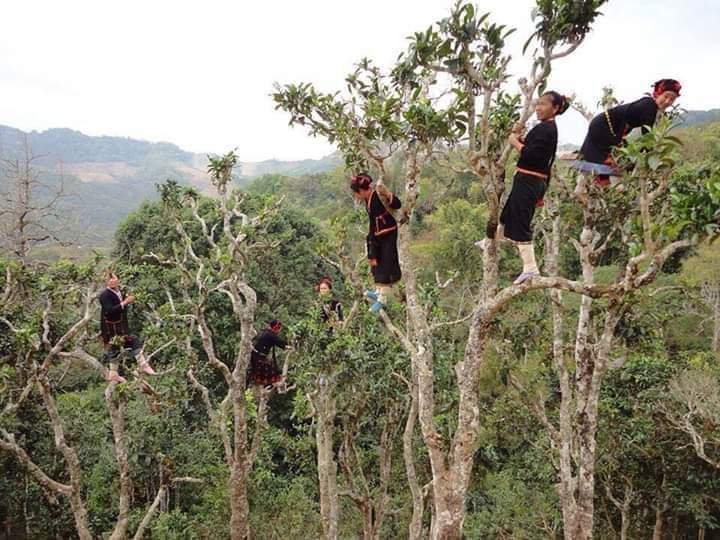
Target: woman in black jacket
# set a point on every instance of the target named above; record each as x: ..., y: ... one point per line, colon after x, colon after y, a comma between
x: 382, y: 236
x: 115, y: 331
x: 263, y: 364
x: 331, y: 308
x: 537, y: 154
x: 609, y: 129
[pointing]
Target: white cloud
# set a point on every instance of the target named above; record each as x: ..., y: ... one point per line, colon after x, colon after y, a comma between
x: 200, y: 74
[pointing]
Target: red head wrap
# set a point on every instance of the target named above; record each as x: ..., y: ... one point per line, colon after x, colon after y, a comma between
x: 663, y: 85
x: 275, y: 325
x: 360, y: 181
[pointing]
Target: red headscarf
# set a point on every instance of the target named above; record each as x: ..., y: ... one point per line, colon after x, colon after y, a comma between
x: 275, y: 325
x: 663, y: 85
x: 360, y: 181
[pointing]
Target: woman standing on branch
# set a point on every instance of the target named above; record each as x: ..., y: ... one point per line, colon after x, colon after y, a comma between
x: 609, y: 129
x: 537, y: 154
x: 114, y: 328
x: 382, y: 237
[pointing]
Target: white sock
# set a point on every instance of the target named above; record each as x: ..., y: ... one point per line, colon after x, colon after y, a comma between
x: 383, y: 291
x: 527, y: 255
x: 113, y: 369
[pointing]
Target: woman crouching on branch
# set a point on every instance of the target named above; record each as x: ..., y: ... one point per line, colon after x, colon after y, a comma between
x: 382, y: 237
x: 532, y: 175
x: 609, y: 129
x: 264, y: 370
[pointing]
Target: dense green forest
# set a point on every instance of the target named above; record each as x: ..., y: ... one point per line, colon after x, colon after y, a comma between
x: 584, y: 403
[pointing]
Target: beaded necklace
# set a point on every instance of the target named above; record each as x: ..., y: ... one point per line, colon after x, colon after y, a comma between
x: 609, y: 123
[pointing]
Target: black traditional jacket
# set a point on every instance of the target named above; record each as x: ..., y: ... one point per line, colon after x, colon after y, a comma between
x: 539, y: 148
x: 609, y: 128
x: 332, y: 308
x: 113, y: 316
x: 266, y: 341
x: 382, y: 222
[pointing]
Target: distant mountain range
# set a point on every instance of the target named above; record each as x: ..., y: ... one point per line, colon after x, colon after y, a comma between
x: 695, y: 118
x: 116, y: 159
x: 108, y: 177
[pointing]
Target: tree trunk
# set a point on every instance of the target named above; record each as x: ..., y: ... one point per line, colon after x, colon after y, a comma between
x: 368, y: 529
x: 327, y: 467
x: 415, y: 526
x: 72, y: 463
x: 659, y: 522
x: 623, y: 506
x: 239, y: 508
x: 584, y: 515
x: 581, y: 509
x: 451, y: 470
x: 624, y: 525
x: 716, y: 328
x: 449, y: 513
x: 388, y: 437
x: 450, y: 486
x: 421, y: 351
x: 26, y: 517
x: 563, y: 438
x: 117, y: 413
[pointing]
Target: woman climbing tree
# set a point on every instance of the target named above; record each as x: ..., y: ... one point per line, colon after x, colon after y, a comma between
x: 331, y: 309
x: 382, y: 237
x: 608, y: 129
x: 264, y: 370
x: 537, y: 153
x: 114, y: 326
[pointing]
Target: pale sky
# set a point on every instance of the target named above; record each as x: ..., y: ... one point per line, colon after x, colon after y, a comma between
x: 199, y: 74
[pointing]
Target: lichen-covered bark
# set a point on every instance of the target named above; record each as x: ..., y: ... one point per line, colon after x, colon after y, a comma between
x: 116, y: 407
x: 325, y: 411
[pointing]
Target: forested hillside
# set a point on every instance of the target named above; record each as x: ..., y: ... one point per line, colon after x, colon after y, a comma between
x: 581, y: 403
x: 106, y: 178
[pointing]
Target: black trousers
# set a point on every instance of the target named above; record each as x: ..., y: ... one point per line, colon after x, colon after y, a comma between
x: 519, y: 209
x: 129, y: 342
x: 387, y: 270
